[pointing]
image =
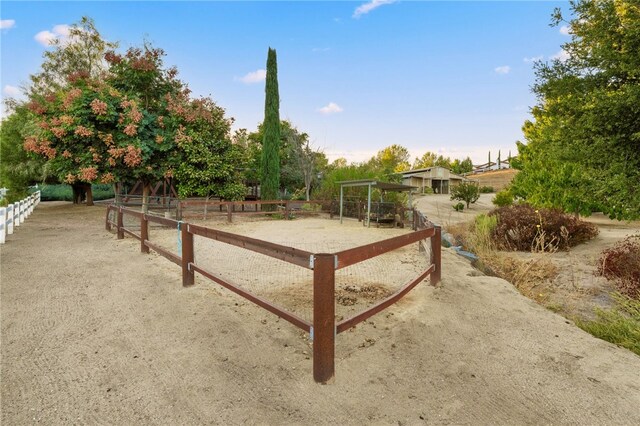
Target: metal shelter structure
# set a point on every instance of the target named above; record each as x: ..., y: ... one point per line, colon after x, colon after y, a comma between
x: 372, y: 183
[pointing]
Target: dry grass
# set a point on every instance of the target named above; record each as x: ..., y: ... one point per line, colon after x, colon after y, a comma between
x: 532, y: 277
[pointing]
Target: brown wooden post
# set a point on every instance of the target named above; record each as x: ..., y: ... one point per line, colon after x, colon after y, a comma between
x: 436, y: 256
x: 324, y: 327
x: 144, y: 233
x: 120, y: 224
x: 287, y: 210
x: 107, y: 223
x: 187, y: 256
x: 179, y: 211
x: 229, y: 215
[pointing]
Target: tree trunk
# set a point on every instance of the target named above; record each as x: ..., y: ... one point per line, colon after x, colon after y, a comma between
x: 116, y: 193
x: 206, y: 205
x: 146, y: 190
x: 79, y: 192
x: 89, y: 193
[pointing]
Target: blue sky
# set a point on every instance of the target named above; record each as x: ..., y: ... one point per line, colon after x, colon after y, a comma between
x: 448, y: 77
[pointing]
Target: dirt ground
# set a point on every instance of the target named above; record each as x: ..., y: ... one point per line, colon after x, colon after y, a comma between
x: 94, y: 332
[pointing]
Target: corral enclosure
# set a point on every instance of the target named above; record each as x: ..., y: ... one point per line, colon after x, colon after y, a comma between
x: 357, y: 286
x: 356, y: 271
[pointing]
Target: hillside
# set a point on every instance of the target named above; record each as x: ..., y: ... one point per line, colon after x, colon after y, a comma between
x: 497, y: 179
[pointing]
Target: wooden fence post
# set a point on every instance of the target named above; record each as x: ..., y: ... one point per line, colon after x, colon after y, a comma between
x: 107, y: 224
x: 144, y: 233
x: 324, y: 328
x: 436, y: 256
x: 120, y: 224
x: 229, y: 214
x: 287, y: 210
x: 187, y: 256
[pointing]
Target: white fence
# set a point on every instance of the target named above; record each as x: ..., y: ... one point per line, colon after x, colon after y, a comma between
x: 15, y: 214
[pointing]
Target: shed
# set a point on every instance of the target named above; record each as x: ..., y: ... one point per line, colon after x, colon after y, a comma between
x: 372, y: 183
x: 439, y: 179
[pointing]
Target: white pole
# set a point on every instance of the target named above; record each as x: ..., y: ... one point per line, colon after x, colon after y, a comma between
x: 10, y: 219
x: 32, y: 202
x: 38, y: 198
x: 16, y: 214
x: 3, y: 224
x: 21, y: 211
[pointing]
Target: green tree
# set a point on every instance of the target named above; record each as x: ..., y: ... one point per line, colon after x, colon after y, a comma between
x: 461, y: 167
x: 581, y: 150
x: 428, y: 159
x: 391, y: 160
x: 210, y: 164
x: 18, y: 169
x: 81, y: 53
x: 468, y: 192
x: 270, y: 181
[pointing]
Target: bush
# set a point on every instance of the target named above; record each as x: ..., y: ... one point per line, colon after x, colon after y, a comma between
x: 64, y: 193
x: 458, y: 207
x: 486, y: 189
x: 521, y: 227
x: 621, y: 264
x: 503, y: 198
x: 466, y: 191
x: 427, y: 190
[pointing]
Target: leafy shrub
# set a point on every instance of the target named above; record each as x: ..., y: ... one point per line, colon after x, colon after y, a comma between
x: 466, y: 191
x: 503, y: 198
x: 428, y: 190
x: 521, y: 227
x: 486, y: 189
x: 458, y: 207
x: 64, y: 193
x: 621, y: 264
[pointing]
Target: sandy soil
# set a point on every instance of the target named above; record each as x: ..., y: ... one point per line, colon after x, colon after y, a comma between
x: 94, y: 332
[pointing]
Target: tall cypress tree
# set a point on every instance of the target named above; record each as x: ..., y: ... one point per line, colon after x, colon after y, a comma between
x: 270, y: 183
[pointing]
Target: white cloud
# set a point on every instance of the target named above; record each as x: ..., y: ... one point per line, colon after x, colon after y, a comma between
x: 11, y: 91
x: 534, y: 58
x: 5, y: 24
x: 561, y: 55
x: 363, y: 9
x: 330, y: 108
x: 253, y: 77
x: 565, y: 30
x: 505, y: 69
x: 46, y: 37
x: 321, y: 49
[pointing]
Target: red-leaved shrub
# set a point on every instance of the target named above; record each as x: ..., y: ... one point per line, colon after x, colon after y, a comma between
x: 522, y: 227
x: 621, y: 264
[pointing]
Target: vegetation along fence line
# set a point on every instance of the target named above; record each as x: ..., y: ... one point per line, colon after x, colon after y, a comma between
x: 15, y: 214
x: 323, y: 328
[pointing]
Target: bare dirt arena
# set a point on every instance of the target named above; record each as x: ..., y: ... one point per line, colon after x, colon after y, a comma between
x: 94, y: 332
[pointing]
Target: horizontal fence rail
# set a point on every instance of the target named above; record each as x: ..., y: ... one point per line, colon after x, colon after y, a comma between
x: 323, y: 328
x: 14, y: 214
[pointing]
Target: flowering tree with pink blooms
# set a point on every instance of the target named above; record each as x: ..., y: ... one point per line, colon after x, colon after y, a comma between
x: 138, y: 123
